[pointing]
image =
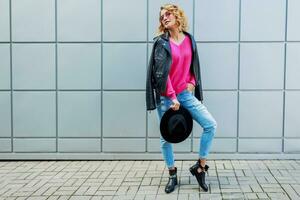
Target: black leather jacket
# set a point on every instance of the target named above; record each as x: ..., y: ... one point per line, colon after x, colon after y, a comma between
x: 159, y: 66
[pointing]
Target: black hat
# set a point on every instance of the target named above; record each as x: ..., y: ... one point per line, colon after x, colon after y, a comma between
x: 176, y: 126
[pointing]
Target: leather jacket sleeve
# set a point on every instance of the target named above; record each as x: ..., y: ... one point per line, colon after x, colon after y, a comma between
x: 150, y: 99
x: 198, y: 88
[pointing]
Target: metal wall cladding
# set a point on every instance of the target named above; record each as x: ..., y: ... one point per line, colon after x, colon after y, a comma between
x: 73, y: 76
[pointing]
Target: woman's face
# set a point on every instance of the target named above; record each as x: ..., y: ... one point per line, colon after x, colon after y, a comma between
x: 167, y: 19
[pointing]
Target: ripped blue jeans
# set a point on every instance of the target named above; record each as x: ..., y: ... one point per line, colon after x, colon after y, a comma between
x: 199, y: 113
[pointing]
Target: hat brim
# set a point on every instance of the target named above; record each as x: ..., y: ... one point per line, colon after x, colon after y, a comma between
x: 174, y: 137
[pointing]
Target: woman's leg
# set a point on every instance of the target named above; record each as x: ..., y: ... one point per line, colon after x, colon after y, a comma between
x: 166, y: 147
x: 201, y: 115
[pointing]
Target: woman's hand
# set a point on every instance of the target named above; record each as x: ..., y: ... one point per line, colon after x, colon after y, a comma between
x: 190, y: 87
x: 175, y: 105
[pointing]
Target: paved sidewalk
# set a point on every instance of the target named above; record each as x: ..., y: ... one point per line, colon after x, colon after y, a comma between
x: 91, y: 180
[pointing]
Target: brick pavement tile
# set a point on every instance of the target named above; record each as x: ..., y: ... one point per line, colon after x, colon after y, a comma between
x: 132, y: 190
x: 81, y: 190
x: 51, y: 190
x: 166, y: 196
x: 250, y: 196
x: 122, y: 190
x: 140, y: 196
x: 155, y: 181
x: 91, y: 191
x: 256, y: 188
x: 188, y: 190
x: 131, y: 183
x: 85, y: 178
x: 247, y: 181
x: 105, y: 193
x: 194, y: 196
x: 147, y: 190
x: 262, y: 195
x: 96, y: 198
x: 104, y: 174
x: 245, y: 188
x: 107, y: 188
x: 89, y: 181
x: 80, y: 197
x: 233, y: 195
x: 109, y: 197
x: 290, y: 191
x: 41, y: 190
x: 52, y: 197
x: 108, y: 182
x: 183, y: 196
x: 208, y: 196
x: 277, y: 196
x: 37, y: 198
x: 9, y: 198
x: 223, y: 180
x: 230, y: 190
x: 123, y: 197
x: 22, y: 193
x: 64, y: 197
x: 296, y: 188
x: 146, y: 181
x: 286, y: 180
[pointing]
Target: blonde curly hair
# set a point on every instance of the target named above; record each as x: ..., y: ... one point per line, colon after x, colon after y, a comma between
x: 181, y: 19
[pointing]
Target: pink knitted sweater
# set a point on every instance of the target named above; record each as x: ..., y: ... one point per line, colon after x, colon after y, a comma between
x: 179, y: 74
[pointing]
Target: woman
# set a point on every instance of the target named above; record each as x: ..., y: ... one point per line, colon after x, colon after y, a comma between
x: 172, y: 77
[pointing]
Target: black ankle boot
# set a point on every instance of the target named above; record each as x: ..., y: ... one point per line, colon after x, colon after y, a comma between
x: 170, y: 187
x: 200, y: 176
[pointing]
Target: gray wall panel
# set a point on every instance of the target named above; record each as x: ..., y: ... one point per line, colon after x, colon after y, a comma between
x: 5, y: 114
x: 34, y: 145
x: 122, y: 69
x: 122, y: 22
x: 124, y: 145
x: 292, y: 66
x: 220, y: 145
x: 217, y: 20
x: 293, y: 31
x: 153, y: 145
x: 185, y: 146
x: 262, y: 66
x: 79, y: 114
x: 4, y: 66
x: 292, y: 110
x: 262, y: 22
x: 33, y: 20
x: 79, y: 20
x: 33, y: 66
x: 219, y: 65
x: 153, y: 124
x: 73, y: 77
x: 124, y: 114
x: 260, y: 145
x: 4, y: 20
x: 260, y: 115
x: 34, y: 114
x: 5, y: 145
x: 292, y: 145
x: 79, y: 66
x: 79, y: 145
